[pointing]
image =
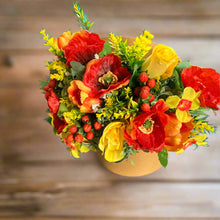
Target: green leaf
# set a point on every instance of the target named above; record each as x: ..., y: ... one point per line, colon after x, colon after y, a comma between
x: 77, y: 70
x: 182, y: 66
x: 62, y: 108
x: 134, y: 77
x: 163, y: 157
x: 48, y: 119
x: 106, y: 49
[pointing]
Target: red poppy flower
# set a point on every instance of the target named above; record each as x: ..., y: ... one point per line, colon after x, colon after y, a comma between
x: 82, y: 47
x: 59, y: 123
x: 205, y: 80
x: 148, y: 132
x: 105, y: 74
x: 52, y: 100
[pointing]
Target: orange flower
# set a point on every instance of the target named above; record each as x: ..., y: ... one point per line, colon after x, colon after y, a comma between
x: 176, y: 133
x: 78, y: 95
x: 64, y: 39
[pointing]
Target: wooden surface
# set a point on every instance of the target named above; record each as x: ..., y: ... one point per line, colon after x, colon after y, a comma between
x: 38, y: 178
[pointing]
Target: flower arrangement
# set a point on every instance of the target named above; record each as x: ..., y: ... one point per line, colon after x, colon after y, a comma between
x: 119, y: 96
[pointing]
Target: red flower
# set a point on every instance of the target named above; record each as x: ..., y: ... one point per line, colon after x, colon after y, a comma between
x: 52, y: 100
x: 205, y: 80
x: 82, y: 47
x: 104, y: 75
x: 147, y: 132
x: 59, y: 123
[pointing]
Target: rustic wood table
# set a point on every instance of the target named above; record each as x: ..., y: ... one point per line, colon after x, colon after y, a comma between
x: 38, y: 178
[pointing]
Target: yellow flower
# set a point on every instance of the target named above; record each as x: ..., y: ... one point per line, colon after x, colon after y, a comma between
x: 111, y: 142
x: 161, y: 63
x: 188, y: 102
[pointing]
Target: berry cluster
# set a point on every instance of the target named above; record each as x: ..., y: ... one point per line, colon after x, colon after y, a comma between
x: 144, y: 92
x: 82, y: 132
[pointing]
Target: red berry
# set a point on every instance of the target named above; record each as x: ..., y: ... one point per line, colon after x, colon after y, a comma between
x: 143, y: 77
x: 87, y: 128
x: 79, y: 138
x: 69, y: 140
x: 137, y: 90
x: 151, y: 83
x: 97, y: 125
x: 146, y: 88
x: 73, y: 129
x: 144, y: 93
x: 52, y: 83
x: 152, y: 98
x: 85, y: 118
x: 90, y: 135
x: 145, y: 107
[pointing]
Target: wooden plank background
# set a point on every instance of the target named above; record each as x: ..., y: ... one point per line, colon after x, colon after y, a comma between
x: 38, y: 178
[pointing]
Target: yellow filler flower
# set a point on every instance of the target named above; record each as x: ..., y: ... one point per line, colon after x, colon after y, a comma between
x: 111, y: 142
x: 188, y: 102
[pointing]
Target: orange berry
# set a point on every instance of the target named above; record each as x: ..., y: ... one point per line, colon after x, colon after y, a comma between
x: 143, y: 77
x: 87, y: 128
x: 152, y: 98
x: 151, y: 83
x: 85, y: 118
x: 73, y: 129
x: 144, y: 93
x: 90, y: 135
x: 79, y: 138
x: 145, y: 107
x: 97, y: 125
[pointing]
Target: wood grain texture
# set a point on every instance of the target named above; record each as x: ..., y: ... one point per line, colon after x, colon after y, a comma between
x: 118, y: 8
x: 121, y: 199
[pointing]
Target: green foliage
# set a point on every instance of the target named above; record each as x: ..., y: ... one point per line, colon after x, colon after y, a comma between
x: 62, y: 108
x: 106, y: 49
x: 127, y: 152
x: 117, y: 105
x: 48, y: 119
x: 82, y: 17
x: 163, y: 157
x: 77, y: 70
x: 179, y: 68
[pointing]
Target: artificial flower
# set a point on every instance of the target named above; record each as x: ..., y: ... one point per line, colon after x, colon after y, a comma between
x: 58, y: 123
x: 188, y: 102
x: 148, y: 131
x: 52, y: 100
x: 104, y: 75
x: 63, y: 39
x: 82, y: 47
x: 161, y: 63
x: 176, y: 133
x: 111, y: 141
x: 207, y: 81
x: 78, y: 94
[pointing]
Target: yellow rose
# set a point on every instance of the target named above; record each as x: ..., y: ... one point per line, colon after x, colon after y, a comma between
x: 161, y: 63
x: 111, y: 142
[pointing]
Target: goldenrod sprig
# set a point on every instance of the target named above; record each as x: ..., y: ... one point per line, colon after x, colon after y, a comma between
x: 52, y: 43
x: 82, y: 17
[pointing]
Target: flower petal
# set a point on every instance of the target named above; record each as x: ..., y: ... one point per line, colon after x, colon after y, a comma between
x: 172, y: 101
x: 183, y: 116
